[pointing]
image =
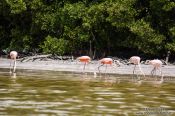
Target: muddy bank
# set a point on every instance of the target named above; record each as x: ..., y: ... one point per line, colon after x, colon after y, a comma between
x: 73, y: 66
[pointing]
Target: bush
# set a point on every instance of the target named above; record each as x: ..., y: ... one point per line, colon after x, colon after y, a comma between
x: 53, y: 45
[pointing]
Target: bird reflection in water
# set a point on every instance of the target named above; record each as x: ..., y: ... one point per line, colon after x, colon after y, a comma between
x: 13, y: 75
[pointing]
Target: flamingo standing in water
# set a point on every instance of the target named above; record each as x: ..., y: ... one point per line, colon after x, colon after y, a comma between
x: 13, y: 56
x: 157, y: 64
x: 107, y: 61
x: 85, y: 60
x: 136, y: 61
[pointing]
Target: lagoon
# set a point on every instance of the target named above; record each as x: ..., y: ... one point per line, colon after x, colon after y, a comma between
x: 43, y: 93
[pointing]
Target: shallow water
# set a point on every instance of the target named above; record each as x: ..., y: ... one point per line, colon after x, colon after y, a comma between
x: 61, y: 93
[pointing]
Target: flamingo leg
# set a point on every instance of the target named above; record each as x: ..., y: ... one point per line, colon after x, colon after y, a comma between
x: 137, y: 74
x: 141, y: 70
x: 99, y: 68
x: 161, y: 76
x: 105, y: 70
x: 14, y: 66
x: 156, y: 76
x: 10, y: 66
x: 153, y: 71
x: 114, y: 66
x: 84, y: 67
x: 160, y: 71
x: 134, y: 71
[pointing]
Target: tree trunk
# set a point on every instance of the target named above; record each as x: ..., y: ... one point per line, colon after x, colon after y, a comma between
x: 90, y: 49
x: 167, y: 57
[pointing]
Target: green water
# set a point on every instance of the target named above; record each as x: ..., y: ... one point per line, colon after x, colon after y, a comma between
x: 67, y: 94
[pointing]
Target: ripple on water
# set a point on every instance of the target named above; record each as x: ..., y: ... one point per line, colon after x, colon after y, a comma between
x: 3, y: 114
x: 109, y: 110
x: 155, y: 97
x: 55, y: 91
x: 73, y: 108
x: 131, y: 89
x: 139, y: 94
x: 114, y: 102
x: 139, y: 104
x: 31, y: 104
x: 30, y: 91
x: 44, y: 96
x: 72, y: 100
x: 2, y: 109
x: 124, y: 106
x: 101, y: 107
x: 1, y: 90
x: 163, y: 92
x: 107, y: 93
x: 84, y: 105
x: 21, y: 107
x: 171, y: 98
x: 4, y: 91
x: 165, y: 106
x: 61, y: 112
x: 155, y: 102
x: 100, y: 98
x: 8, y: 98
x: 118, y: 98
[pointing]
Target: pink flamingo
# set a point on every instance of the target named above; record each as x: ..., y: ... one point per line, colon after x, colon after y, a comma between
x: 85, y: 60
x: 13, y: 56
x: 157, y: 64
x: 136, y: 61
x: 107, y: 61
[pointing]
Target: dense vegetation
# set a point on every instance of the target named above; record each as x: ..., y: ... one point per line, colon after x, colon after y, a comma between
x: 89, y: 27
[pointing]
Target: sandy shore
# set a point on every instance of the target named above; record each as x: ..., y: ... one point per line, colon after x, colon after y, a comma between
x: 57, y: 65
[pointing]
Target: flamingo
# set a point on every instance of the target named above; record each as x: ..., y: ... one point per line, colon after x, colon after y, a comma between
x: 107, y: 61
x: 136, y: 61
x: 13, y: 56
x: 85, y: 60
x: 157, y: 64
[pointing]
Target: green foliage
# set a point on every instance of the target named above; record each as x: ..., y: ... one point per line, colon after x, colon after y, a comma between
x: 169, y: 5
x: 20, y: 42
x: 17, y: 6
x: 46, y: 20
x: 144, y: 31
x: 27, y: 43
x: 16, y: 42
x: 121, y: 13
x: 59, y: 26
x: 54, y: 46
x: 147, y: 39
x: 172, y: 30
x: 171, y: 46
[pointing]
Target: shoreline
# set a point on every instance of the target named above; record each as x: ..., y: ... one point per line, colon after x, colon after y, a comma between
x: 77, y: 67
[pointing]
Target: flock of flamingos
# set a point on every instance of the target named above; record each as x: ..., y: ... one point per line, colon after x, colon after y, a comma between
x: 157, y: 64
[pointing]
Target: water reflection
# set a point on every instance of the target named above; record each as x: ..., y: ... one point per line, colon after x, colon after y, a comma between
x: 13, y: 75
x: 61, y: 93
